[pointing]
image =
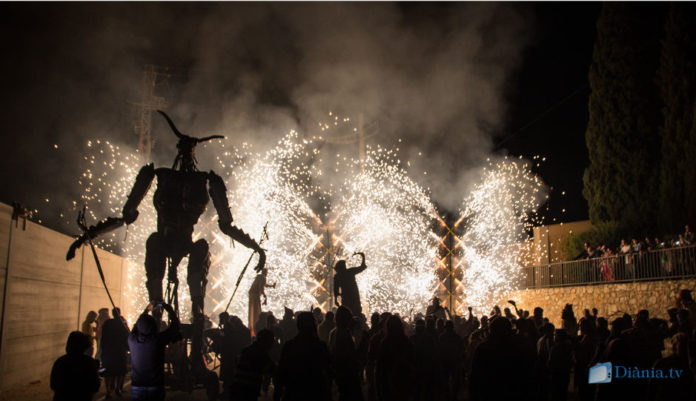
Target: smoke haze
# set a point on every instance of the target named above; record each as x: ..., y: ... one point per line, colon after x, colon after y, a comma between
x: 434, y: 76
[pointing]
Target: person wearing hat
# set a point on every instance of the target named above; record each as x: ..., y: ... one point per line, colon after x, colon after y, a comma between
x: 147, y: 346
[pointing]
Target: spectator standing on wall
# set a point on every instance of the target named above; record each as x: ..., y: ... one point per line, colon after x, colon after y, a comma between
x: 74, y: 375
x: 636, y: 245
x: 608, y: 266
x: 688, y: 235
x: 626, y: 250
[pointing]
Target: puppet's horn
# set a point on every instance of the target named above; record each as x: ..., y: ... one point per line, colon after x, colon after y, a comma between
x: 207, y: 138
x: 171, y: 125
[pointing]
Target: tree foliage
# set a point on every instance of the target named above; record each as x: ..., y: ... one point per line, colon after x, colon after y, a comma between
x: 607, y: 233
x: 621, y: 181
x: 677, y: 84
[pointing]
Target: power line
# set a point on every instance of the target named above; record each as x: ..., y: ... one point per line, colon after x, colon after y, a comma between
x: 540, y: 116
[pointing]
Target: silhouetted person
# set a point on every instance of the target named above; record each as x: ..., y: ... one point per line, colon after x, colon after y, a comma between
x: 560, y: 363
x: 430, y: 328
x: 256, y: 291
x: 538, y: 317
x: 620, y: 352
x: 254, y: 364
x: 682, y: 388
x: 74, y: 376
x: 318, y: 316
x: 288, y: 325
x: 427, y: 364
x: 602, y: 330
x: 568, y: 321
x: 527, y: 337
x: 344, y: 357
x: 499, y: 356
x: 235, y: 337
x: 439, y: 327
x: 346, y: 286
x: 88, y: 326
x: 584, y: 353
x: 395, y: 368
x: 326, y: 326
x: 452, y: 350
x: 544, y: 345
x: 436, y: 310
x: 373, y: 351
x: 303, y: 371
x: 272, y: 325
x: 114, y: 343
x: 102, y: 317
x: 147, y: 347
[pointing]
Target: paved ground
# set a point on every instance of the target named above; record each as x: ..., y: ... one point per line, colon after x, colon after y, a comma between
x: 40, y: 391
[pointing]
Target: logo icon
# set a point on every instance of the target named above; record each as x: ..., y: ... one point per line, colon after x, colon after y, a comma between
x: 600, y: 373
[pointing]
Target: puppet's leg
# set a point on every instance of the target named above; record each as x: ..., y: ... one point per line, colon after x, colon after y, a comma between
x: 155, y: 264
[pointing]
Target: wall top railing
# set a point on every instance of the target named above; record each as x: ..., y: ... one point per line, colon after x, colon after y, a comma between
x: 659, y: 264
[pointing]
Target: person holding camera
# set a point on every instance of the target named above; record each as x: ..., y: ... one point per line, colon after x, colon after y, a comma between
x: 147, y: 345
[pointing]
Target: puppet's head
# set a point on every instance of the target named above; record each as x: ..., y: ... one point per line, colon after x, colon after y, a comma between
x: 186, y: 159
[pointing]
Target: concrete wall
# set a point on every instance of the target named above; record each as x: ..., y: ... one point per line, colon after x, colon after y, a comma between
x: 45, y: 296
x: 611, y: 300
x: 548, y: 240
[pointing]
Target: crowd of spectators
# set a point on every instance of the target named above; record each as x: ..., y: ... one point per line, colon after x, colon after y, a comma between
x: 635, y: 245
x: 634, y: 259
x: 503, y: 355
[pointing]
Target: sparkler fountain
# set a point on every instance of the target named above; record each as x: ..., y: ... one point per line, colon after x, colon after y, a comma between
x: 499, y: 211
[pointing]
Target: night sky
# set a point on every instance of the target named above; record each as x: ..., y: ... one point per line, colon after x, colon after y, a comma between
x: 487, y: 79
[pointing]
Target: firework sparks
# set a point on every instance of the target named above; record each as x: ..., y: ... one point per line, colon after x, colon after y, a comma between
x: 378, y: 210
x: 106, y: 183
x: 389, y: 217
x: 273, y: 189
x: 498, y: 213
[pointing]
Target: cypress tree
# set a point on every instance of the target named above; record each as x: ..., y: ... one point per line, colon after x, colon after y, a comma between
x: 677, y: 82
x: 621, y: 181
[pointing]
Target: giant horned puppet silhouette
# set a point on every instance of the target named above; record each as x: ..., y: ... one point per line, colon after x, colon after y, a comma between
x: 180, y: 199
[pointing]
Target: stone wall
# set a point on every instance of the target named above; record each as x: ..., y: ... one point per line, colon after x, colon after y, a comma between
x: 611, y: 300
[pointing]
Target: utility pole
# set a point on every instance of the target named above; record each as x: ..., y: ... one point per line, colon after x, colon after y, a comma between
x: 361, y: 140
x: 149, y: 101
x: 329, y: 264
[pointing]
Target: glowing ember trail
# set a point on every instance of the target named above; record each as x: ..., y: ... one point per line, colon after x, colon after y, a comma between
x: 498, y: 213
